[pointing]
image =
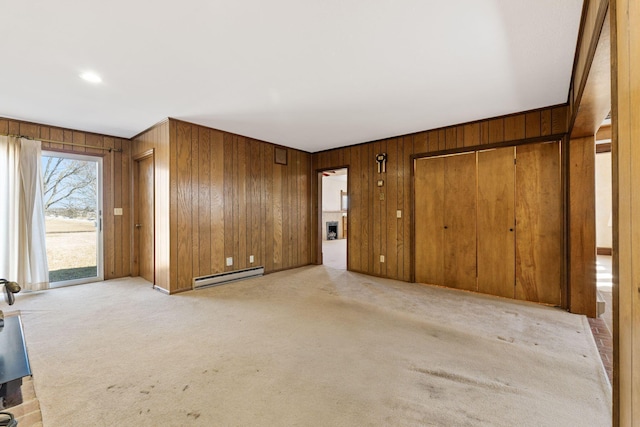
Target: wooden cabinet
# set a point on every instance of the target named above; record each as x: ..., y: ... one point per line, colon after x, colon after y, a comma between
x: 491, y: 221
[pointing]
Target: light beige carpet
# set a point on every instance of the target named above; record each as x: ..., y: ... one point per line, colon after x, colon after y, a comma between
x: 308, y: 347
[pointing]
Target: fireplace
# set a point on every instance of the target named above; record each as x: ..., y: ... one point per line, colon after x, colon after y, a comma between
x: 332, y: 230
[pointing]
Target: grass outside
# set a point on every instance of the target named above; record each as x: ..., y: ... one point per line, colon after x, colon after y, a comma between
x: 71, y: 249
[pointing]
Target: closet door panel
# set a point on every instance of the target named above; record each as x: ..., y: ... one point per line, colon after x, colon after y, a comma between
x: 429, y: 217
x: 460, y: 221
x: 538, y: 223
x: 496, y: 222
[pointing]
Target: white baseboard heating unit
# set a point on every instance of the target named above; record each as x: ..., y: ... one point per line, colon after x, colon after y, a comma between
x: 226, y: 277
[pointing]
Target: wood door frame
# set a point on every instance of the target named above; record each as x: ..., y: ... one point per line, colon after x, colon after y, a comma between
x: 135, y: 271
x: 319, y: 224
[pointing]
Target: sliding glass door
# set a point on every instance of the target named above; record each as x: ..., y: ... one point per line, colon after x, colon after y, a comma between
x: 73, y: 217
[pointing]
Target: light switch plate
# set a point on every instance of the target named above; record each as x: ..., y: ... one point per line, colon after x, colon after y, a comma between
x: 229, y: 261
x: 398, y: 213
x: 117, y: 211
x: 381, y: 258
x: 251, y: 259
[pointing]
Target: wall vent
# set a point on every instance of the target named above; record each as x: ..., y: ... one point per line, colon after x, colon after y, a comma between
x: 226, y: 277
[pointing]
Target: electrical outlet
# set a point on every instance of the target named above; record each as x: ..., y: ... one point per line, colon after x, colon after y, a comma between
x: 381, y: 196
x: 381, y: 258
x: 229, y: 261
x: 398, y: 213
x: 251, y: 259
x: 117, y: 211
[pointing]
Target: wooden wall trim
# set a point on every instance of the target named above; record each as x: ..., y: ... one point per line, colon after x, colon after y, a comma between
x: 603, y: 148
x: 580, y: 42
x: 592, y: 22
x: 144, y: 154
x: 604, y: 133
x: 590, y: 84
x: 604, y: 251
x: 512, y: 143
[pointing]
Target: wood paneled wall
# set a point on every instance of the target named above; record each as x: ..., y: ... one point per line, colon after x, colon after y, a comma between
x: 116, y: 181
x: 374, y: 228
x: 582, y: 226
x: 625, y: 48
x: 157, y: 139
x: 223, y: 196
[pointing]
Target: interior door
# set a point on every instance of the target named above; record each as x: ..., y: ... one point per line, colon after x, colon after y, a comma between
x: 459, y: 244
x: 496, y: 222
x: 539, y: 223
x: 144, y: 218
x: 429, y: 223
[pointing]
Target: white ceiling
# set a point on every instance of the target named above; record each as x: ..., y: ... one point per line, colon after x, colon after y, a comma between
x: 311, y: 75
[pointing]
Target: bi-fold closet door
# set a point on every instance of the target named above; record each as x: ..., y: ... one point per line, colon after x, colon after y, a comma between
x: 445, y: 209
x: 491, y: 221
x: 496, y: 222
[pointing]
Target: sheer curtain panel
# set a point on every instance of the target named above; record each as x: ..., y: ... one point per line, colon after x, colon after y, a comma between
x: 23, y: 255
x: 10, y: 194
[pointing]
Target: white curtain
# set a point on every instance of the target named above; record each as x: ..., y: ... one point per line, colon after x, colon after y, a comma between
x: 10, y: 211
x: 23, y: 255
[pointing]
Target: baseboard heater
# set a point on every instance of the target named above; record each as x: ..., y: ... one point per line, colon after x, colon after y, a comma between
x: 226, y: 277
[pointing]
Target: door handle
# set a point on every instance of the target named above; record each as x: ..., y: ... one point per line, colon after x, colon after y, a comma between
x: 138, y: 225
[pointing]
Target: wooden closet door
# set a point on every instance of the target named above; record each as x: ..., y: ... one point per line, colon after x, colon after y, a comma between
x: 460, y: 222
x: 496, y: 222
x: 538, y: 223
x: 429, y: 217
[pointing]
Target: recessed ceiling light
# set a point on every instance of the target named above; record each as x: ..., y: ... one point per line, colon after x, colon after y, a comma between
x: 91, y: 77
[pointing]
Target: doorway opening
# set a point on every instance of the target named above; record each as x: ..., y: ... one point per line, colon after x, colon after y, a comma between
x: 73, y: 217
x: 334, y: 214
x: 604, y: 224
